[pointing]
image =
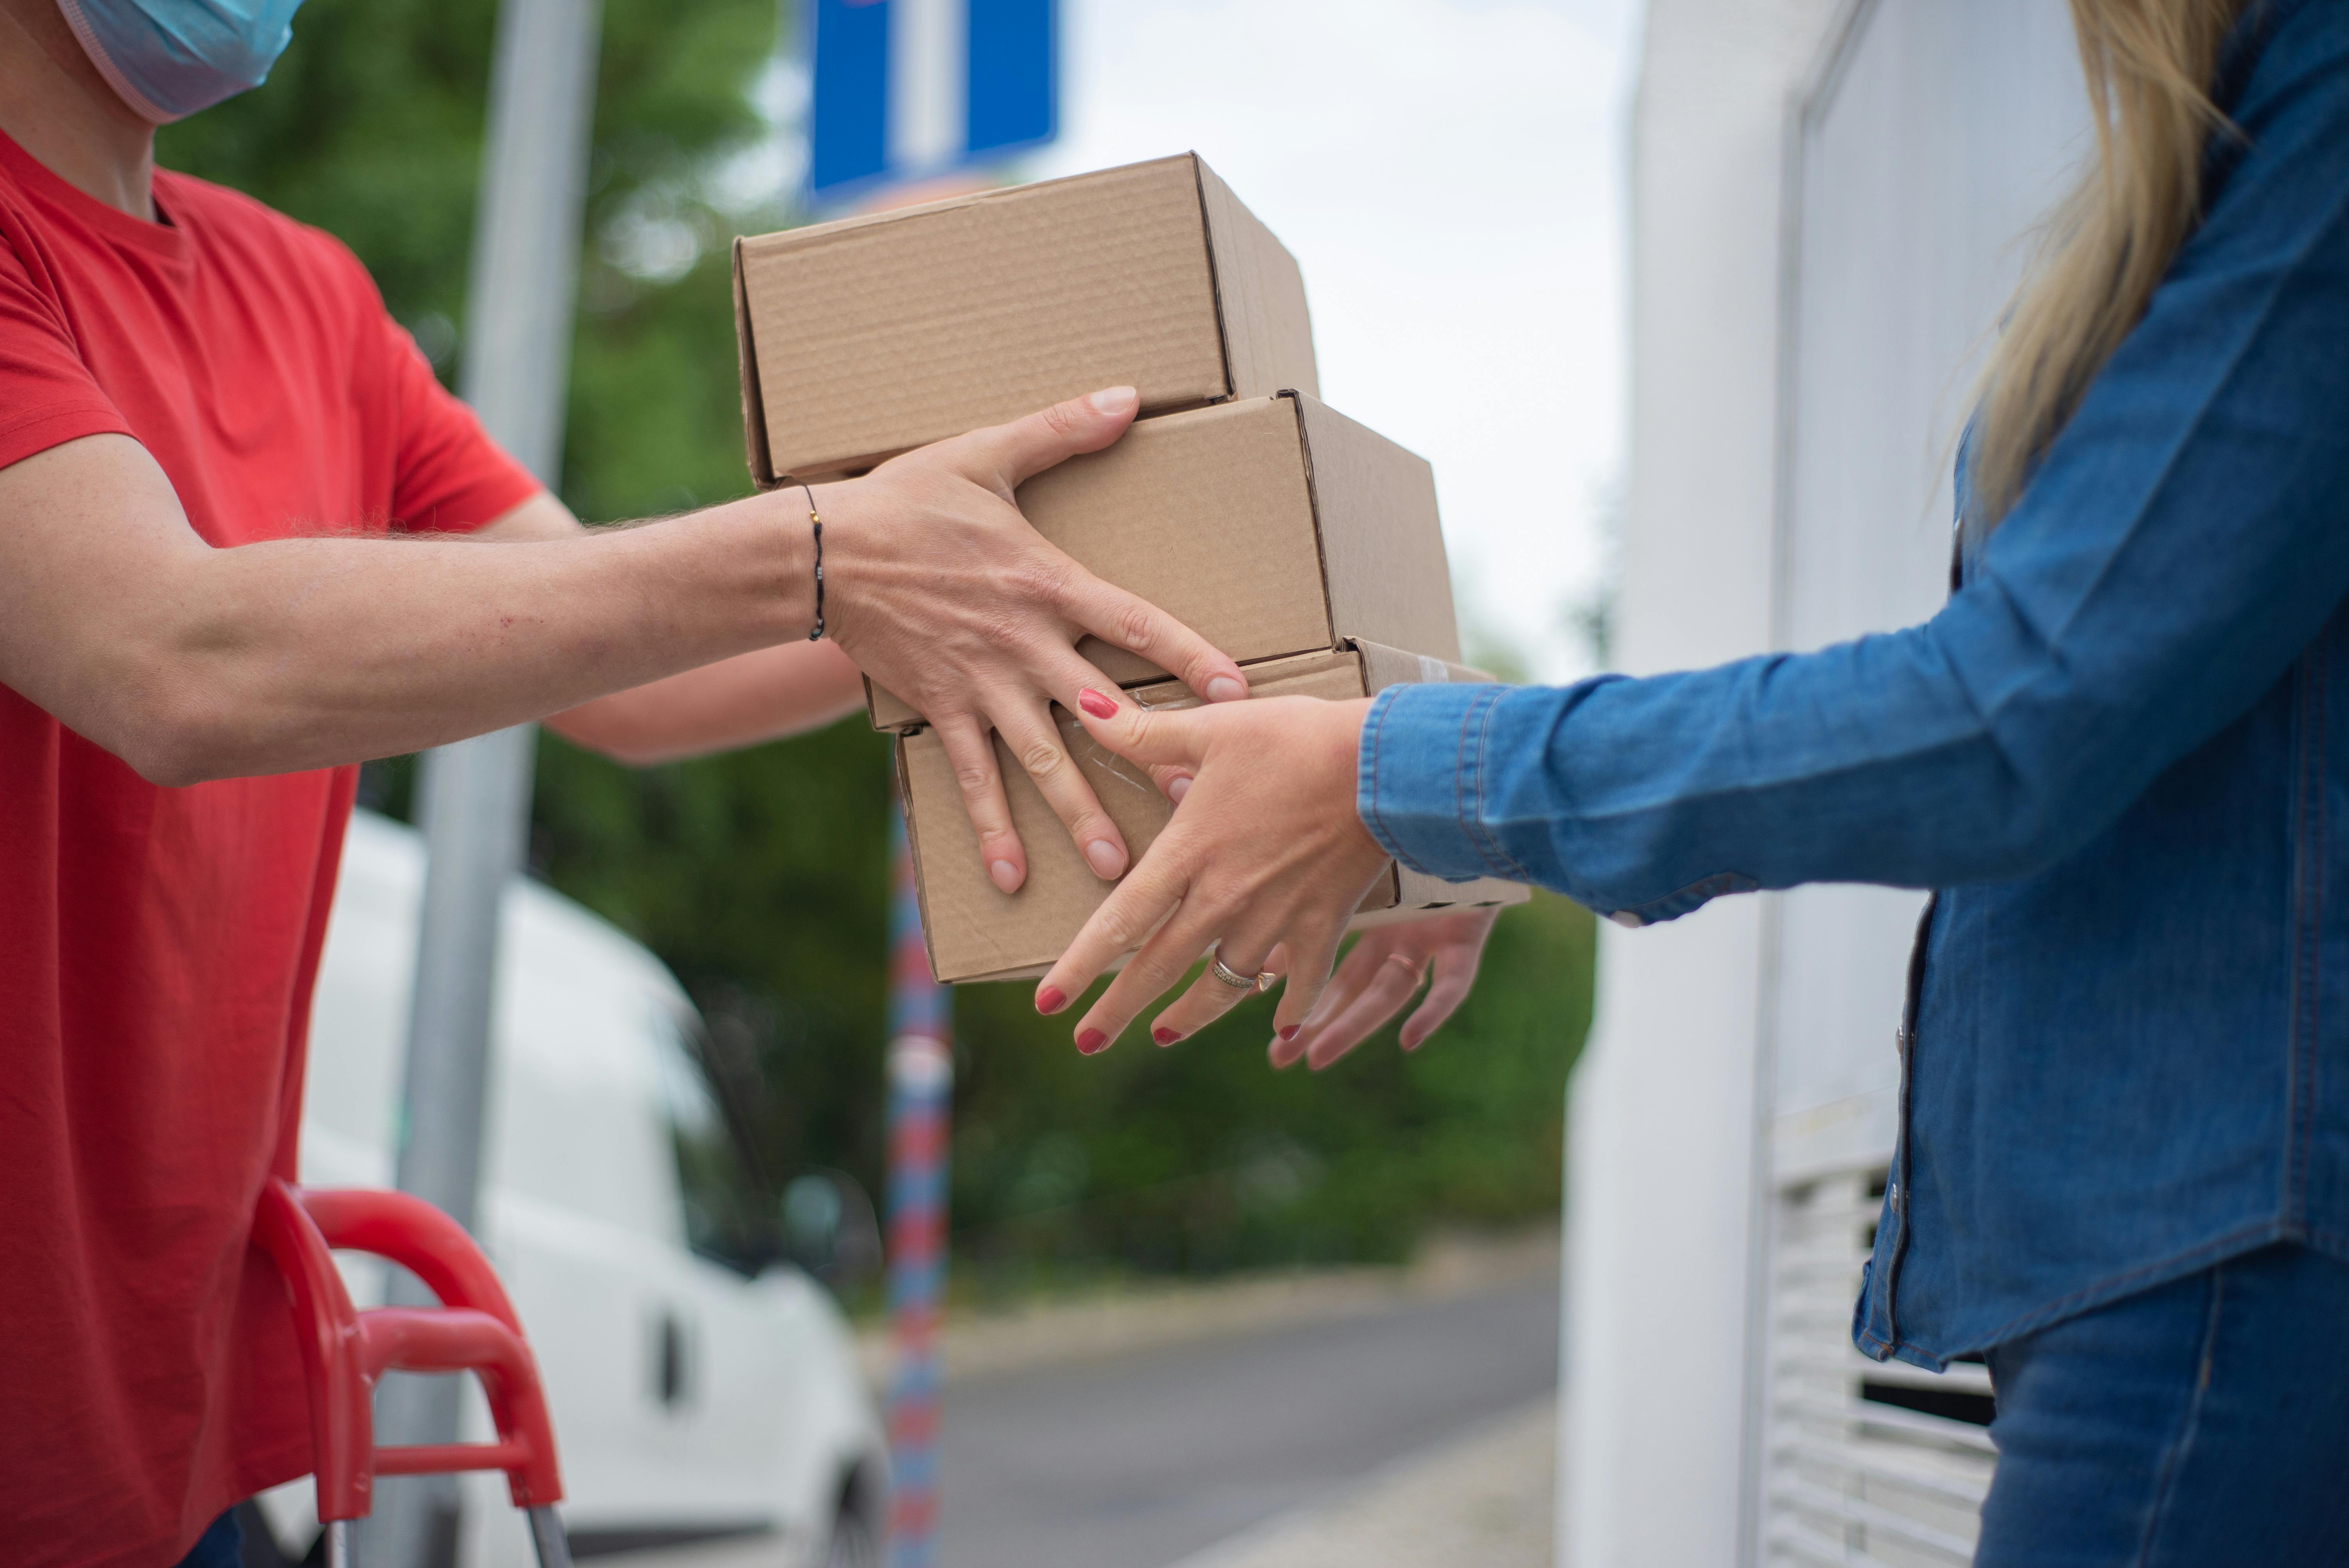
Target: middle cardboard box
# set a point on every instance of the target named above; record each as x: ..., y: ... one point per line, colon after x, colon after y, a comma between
x: 1271, y: 526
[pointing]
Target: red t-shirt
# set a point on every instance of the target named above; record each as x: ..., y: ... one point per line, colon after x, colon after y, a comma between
x: 156, y: 946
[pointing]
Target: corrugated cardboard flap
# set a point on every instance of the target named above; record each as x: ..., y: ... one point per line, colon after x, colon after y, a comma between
x: 914, y: 852
x: 754, y: 410
x: 1382, y: 555
x: 1260, y: 295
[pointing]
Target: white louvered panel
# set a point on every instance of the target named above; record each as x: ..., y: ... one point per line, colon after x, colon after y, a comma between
x: 1848, y: 1480
x: 1890, y: 1423
x: 1955, y: 1483
x: 1788, y: 1546
x: 1965, y: 1377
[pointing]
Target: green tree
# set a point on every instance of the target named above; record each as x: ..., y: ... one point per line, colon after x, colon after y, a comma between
x: 762, y: 878
x: 1199, y: 1156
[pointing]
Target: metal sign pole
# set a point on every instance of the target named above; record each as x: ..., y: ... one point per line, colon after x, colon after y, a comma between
x: 921, y: 1097
x: 475, y: 795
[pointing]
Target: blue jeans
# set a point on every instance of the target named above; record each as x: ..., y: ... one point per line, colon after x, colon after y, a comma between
x: 2202, y: 1424
x: 221, y: 1546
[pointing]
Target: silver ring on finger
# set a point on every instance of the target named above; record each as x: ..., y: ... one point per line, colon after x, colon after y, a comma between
x: 1232, y: 977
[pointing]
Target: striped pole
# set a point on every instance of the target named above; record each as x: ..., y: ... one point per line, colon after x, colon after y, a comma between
x: 921, y: 1092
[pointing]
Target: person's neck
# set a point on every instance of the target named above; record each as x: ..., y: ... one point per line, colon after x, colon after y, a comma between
x: 57, y: 108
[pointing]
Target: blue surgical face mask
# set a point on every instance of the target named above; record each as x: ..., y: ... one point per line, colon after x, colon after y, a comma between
x: 168, y: 58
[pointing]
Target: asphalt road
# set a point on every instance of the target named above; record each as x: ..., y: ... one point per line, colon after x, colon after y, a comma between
x: 1142, y: 1461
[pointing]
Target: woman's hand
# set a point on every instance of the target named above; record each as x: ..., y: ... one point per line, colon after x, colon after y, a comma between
x: 1264, y: 851
x: 1380, y: 974
x: 941, y: 591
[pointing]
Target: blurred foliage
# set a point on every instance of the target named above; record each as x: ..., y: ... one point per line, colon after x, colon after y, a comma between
x: 762, y: 878
x: 1200, y: 1156
x: 370, y: 127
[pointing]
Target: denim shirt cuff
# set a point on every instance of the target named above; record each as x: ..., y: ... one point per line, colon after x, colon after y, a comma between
x: 1418, y: 780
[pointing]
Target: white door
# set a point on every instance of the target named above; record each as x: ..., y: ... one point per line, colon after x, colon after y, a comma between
x: 1929, y: 139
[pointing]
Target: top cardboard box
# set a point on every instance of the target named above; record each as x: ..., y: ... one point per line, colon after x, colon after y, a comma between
x: 868, y: 336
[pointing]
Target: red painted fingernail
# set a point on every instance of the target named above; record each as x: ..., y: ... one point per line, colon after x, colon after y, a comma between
x: 1050, y: 1000
x: 1164, y: 1035
x: 1093, y: 703
x: 1288, y: 1031
x: 1090, y: 1040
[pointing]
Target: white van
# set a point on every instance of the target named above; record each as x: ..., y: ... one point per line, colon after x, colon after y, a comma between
x: 691, y: 1402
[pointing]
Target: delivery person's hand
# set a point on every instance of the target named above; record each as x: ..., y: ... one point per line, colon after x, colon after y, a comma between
x: 942, y: 592
x: 1265, y: 851
x: 1381, y: 974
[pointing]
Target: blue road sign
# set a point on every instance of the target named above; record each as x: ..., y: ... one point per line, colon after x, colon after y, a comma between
x: 911, y: 89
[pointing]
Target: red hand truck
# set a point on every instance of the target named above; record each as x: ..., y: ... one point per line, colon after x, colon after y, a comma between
x: 344, y: 1351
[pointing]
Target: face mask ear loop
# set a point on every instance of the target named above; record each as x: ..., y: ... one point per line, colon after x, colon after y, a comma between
x: 138, y: 102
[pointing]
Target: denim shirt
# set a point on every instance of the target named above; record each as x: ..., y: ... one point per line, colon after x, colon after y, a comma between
x: 2117, y: 752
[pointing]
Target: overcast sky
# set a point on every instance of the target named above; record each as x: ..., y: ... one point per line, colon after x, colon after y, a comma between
x: 1449, y: 174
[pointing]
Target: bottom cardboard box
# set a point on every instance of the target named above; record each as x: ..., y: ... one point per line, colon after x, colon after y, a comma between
x: 976, y: 932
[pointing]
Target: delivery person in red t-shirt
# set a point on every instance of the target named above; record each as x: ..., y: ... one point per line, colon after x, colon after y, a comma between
x: 208, y: 430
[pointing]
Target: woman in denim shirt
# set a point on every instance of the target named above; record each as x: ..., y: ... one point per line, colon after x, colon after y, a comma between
x: 2121, y: 754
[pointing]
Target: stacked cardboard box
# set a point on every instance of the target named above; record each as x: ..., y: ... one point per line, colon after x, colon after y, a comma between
x: 1304, y: 545
x: 976, y: 932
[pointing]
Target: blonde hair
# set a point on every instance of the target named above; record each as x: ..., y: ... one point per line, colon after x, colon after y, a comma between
x: 2148, y: 65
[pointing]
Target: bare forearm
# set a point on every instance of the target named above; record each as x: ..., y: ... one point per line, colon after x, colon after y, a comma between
x: 307, y: 653
x: 191, y: 662
x: 741, y: 701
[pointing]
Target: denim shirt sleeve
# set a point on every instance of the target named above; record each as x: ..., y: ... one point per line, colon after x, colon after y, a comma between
x: 2187, y: 535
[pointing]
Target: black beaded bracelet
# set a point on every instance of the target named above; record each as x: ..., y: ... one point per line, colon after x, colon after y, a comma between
x: 815, y: 522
